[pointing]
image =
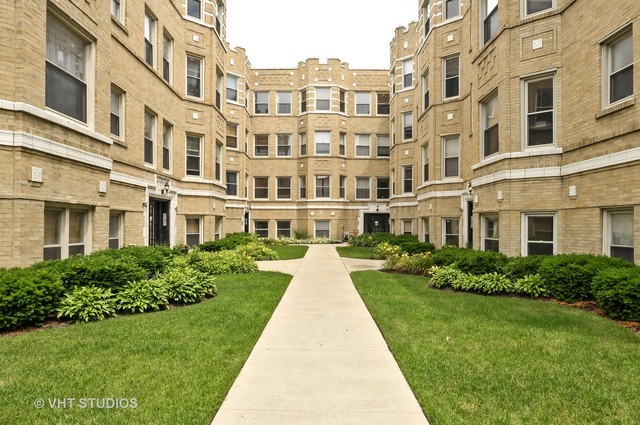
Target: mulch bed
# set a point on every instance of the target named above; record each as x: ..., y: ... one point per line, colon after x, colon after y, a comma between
x: 594, y: 308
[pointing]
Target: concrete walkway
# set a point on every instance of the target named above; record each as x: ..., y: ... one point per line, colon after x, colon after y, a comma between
x: 321, y: 359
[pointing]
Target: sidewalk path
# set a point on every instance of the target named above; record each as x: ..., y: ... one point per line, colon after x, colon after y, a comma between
x: 321, y: 360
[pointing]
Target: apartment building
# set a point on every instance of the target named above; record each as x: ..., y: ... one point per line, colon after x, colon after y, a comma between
x: 505, y: 125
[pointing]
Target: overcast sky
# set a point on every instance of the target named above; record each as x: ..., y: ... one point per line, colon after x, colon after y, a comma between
x: 281, y: 33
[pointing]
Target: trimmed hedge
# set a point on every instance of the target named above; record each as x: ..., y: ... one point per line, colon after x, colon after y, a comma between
x: 102, y: 271
x: 449, y: 255
x: 481, y: 262
x: 617, y: 291
x: 519, y: 267
x: 231, y: 241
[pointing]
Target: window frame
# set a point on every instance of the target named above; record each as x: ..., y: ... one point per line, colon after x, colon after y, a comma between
x: 287, y: 147
x: 167, y: 57
x: 117, y: 217
x: 607, y: 63
x: 359, y: 105
x: 446, y: 236
x: 302, y: 187
x: 232, y: 187
x: 316, y: 229
x: 218, y: 170
x: 302, y: 143
x: 167, y: 145
x: 261, y: 187
x: 342, y: 193
x: 119, y: 114
x: 487, y: 132
x: 150, y: 142
x: 407, y: 129
x: 360, y: 145
x: 230, y: 136
x: 343, y: 101
x: 379, y: 188
x: 525, y: 232
x: 526, y: 115
x: 187, y: 234
x: 150, y: 38
x: 283, y: 232
x: 384, y: 107
x: 407, y: 75
x: 407, y: 181
x: 493, y: 238
x: 425, y: 162
x: 261, y: 232
x: 324, y: 91
x: 232, y: 89
x: 64, y: 246
x: 409, y: 226
x: 188, y: 6
x: 489, y: 19
x: 260, y: 147
x: 342, y: 144
x: 286, y: 190
x: 303, y: 101
x: 445, y: 139
x: 525, y: 9
x: 425, y: 90
x: 386, y: 146
x: 608, y: 237
x: 445, y: 10
x: 445, y: 78
x: 194, y: 154
x: 322, y: 188
x: 120, y: 14
x: 359, y: 190
x: 328, y: 143
x: 280, y: 103
x: 256, y: 109
x: 199, y: 78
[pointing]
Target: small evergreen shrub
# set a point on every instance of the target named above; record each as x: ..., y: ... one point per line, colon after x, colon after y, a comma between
x: 532, y: 285
x: 145, y: 295
x: 385, y: 250
x: 152, y: 259
x: 298, y: 234
x: 257, y: 251
x: 86, y: 304
x: 449, y: 255
x: 519, y: 267
x: 417, y: 247
x: 103, y: 271
x: 481, y: 262
x: 231, y: 241
x: 617, y: 291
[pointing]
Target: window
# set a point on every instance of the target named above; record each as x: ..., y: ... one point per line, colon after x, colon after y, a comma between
x: 451, y: 231
x: 618, y: 54
x: 619, y: 234
x: 323, y: 142
x: 393, y: 82
x: 262, y: 103
x: 284, y: 145
x: 425, y: 163
x: 490, y: 15
x: 343, y: 187
x: 117, y: 10
x: 382, y: 145
x: 194, y: 147
x: 218, y: 169
x: 261, y: 187
x: 343, y: 101
x: 363, y: 103
x: 303, y: 144
x: 452, y: 8
x: 283, y: 229
x: 284, y: 188
x: 246, y: 140
x: 342, y: 146
x: 232, y: 88
x: 193, y: 231
x: 393, y: 132
x: 489, y: 122
x: 323, y: 99
x: 363, y: 145
x: 117, y: 112
x: 284, y: 103
x: 491, y: 233
x: 65, y: 233
x: 115, y: 230
x: 303, y: 101
x: 232, y: 135
x: 322, y: 229
x: 539, y: 111
x: 407, y: 126
x: 66, y: 71
x: 407, y: 179
x: 261, y: 228
x: 194, y: 9
x: 323, y: 189
x: 535, y: 6
x: 167, y: 53
x: 149, y: 39
x: 393, y: 181
x: 302, y: 181
x: 539, y: 234
x: 425, y: 229
x: 218, y: 228
x: 167, y: 136
x: 219, y: 17
x: 451, y: 149
x: 425, y: 90
x: 451, y: 77
x: 194, y: 76
x: 383, y: 100
x: 261, y: 145
x: 232, y: 183
x: 407, y: 73
x: 363, y: 187
x: 382, y: 187
x: 149, y: 137
x: 407, y: 227
x: 426, y: 16
x: 246, y: 185
x: 219, y: 77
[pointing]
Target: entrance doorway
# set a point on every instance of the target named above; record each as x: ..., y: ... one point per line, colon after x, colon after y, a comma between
x: 469, y: 241
x: 246, y: 222
x: 159, y: 222
x: 376, y: 223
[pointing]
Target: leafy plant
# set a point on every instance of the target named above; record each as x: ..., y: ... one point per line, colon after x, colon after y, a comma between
x: 520, y: 267
x: 492, y: 283
x: 618, y: 292
x: 532, y: 285
x: 87, y: 303
x: 447, y: 276
x: 185, y: 284
x: 385, y: 250
x: 224, y: 262
x: 102, y: 271
x: 138, y: 297
x: 449, y: 255
x: 481, y: 262
x: 299, y: 234
x: 257, y: 251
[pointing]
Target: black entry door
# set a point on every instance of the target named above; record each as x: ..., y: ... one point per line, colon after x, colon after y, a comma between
x: 469, y: 224
x: 376, y: 223
x: 158, y: 222
x: 246, y: 222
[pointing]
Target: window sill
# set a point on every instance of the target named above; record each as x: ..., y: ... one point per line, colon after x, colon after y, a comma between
x: 616, y: 107
x: 119, y: 24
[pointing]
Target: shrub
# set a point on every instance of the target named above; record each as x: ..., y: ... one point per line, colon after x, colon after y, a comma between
x: 417, y: 247
x: 532, y: 285
x: 102, y: 271
x: 231, y: 241
x: 446, y: 276
x: 185, y: 284
x: 569, y: 277
x: 257, y: 251
x: 371, y: 239
x: 481, y: 262
x: 519, y: 267
x: 28, y: 296
x: 153, y: 259
x: 449, y: 255
x: 492, y: 283
x: 87, y: 303
x: 385, y: 250
x: 138, y: 297
x: 298, y: 234
x: 225, y: 262
x: 618, y: 292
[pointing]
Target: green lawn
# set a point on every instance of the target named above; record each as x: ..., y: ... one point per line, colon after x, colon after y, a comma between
x: 290, y: 252
x: 178, y: 364
x: 355, y: 252
x: 473, y: 359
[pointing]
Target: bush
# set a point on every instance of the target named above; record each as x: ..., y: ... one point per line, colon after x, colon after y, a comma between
x: 481, y: 262
x: 569, y: 277
x: 153, y: 259
x: 298, y: 234
x: 492, y: 283
x: 257, y: 251
x: 385, y: 250
x: 138, y: 297
x: 102, y: 271
x: 231, y: 241
x: 447, y: 276
x: 449, y: 255
x: 224, y: 262
x: 185, y: 284
x: 28, y: 296
x: 370, y: 239
x: 519, y: 267
x: 87, y: 303
x: 417, y: 247
x: 618, y: 293
x: 532, y: 285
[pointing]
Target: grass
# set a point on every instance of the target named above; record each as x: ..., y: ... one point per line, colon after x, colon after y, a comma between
x: 363, y: 252
x: 290, y: 252
x: 473, y: 359
x: 178, y: 364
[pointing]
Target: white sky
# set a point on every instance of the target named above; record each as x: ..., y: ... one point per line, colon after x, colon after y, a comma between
x: 281, y: 33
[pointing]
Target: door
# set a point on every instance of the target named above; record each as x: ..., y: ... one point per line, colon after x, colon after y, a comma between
x: 158, y: 222
x: 246, y: 222
x: 376, y: 223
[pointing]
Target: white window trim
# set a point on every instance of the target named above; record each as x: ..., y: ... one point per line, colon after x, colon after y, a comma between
x: 167, y: 36
x: 524, y: 113
x: 484, y: 13
x: 278, y: 228
x: 193, y: 18
x: 444, y: 139
x: 200, y: 153
x: 483, y: 224
x: 186, y: 79
x: 369, y: 103
x: 483, y: 107
x: 154, y: 138
x: 255, y: 102
x: 315, y: 143
x: 317, y: 98
x: 315, y: 227
x: 626, y: 30
x: 404, y: 226
x: 525, y: 15
x: 356, y: 189
x: 64, y: 229
x: 413, y: 180
x: 121, y: 12
x: 200, y: 227
x: 267, y: 229
x: 121, y: 114
x: 278, y: 187
x: 405, y: 74
x: 237, y: 148
x: 425, y: 161
x: 238, y: 80
x: 446, y: 19
x: 315, y: 187
x: 606, y: 232
x: 153, y: 34
x: 290, y: 103
x: 444, y: 229
x: 404, y: 126
x: 368, y: 145
x: 119, y: 215
x: 170, y: 147
x: 290, y: 145
x: 237, y: 183
x: 524, y: 248
x: 256, y: 187
x: 444, y: 77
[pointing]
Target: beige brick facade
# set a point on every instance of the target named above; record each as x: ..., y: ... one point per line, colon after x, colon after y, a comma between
x: 175, y: 138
